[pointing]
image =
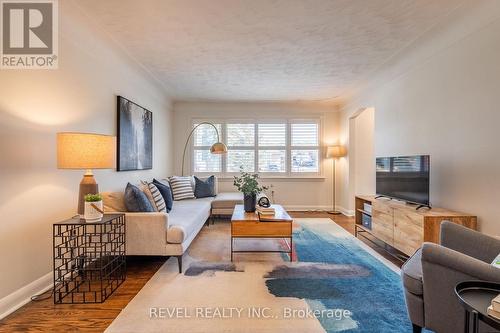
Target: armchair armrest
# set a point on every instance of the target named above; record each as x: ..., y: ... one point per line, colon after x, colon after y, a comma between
x: 146, y: 233
x: 456, y: 262
x: 442, y: 269
x: 469, y: 242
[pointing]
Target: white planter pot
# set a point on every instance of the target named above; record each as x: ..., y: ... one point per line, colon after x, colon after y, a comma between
x: 91, y: 214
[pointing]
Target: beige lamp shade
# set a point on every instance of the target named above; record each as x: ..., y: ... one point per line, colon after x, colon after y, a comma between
x: 335, y: 151
x: 85, y: 151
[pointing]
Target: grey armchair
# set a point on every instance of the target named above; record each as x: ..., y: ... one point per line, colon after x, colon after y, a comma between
x: 431, y: 274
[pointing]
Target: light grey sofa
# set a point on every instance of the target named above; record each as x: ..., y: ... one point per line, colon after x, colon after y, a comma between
x: 169, y: 234
x: 431, y: 274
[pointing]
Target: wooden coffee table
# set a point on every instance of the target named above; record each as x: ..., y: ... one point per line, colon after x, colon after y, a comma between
x: 249, y: 225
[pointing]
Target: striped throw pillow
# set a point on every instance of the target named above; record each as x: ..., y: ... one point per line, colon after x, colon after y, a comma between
x: 181, y: 188
x: 155, y: 197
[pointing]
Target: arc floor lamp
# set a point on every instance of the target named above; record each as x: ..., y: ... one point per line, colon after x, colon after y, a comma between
x: 334, y: 152
x: 217, y: 148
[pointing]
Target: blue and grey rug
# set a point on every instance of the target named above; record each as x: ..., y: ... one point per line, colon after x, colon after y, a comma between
x: 335, y: 284
x: 355, y: 280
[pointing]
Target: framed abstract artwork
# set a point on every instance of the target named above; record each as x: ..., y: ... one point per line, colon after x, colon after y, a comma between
x: 135, y: 136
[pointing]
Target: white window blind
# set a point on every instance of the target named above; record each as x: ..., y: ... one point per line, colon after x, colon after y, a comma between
x: 272, y: 135
x: 205, y: 135
x: 272, y: 160
x: 272, y: 147
x: 203, y: 138
x: 240, y: 135
x: 204, y: 161
x: 304, y: 134
x: 289, y: 148
x: 241, y: 143
x: 237, y: 159
x: 304, y: 155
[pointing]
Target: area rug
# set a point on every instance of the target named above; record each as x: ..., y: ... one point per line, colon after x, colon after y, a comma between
x: 335, y: 284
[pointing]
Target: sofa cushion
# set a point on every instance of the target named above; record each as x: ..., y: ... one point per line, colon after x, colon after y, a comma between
x: 114, y: 201
x: 181, y: 188
x: 227, y: 200
x: 193, y: 183
x: 187, y: 217
x: 155, y: 197
x: 204, y: 188
x: 166, y: 193
x: 412, y: 274
x: 136, y: 200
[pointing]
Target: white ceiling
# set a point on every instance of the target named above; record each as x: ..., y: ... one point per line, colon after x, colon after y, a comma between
x: 263, y: 50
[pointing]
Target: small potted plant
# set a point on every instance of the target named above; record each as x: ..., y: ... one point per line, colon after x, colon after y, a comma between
x: 93, y: 208
x: 249, y: 185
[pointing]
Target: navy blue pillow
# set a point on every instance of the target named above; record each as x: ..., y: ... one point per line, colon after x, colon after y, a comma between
x: 166, y: 193
x: 136, y: 200
x: 204, y: 188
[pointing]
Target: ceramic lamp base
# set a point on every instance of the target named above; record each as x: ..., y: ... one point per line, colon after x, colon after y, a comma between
x: 88, y: 185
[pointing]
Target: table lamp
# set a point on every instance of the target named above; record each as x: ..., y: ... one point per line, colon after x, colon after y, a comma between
x: 334, y: 152
x: 85, y: 151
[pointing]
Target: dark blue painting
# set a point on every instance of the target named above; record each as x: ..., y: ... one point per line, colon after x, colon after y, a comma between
x: 135, y: 136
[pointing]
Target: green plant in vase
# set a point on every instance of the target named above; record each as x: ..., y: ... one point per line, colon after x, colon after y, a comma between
x: 248, y: 184
x: 93, y: 197
x: 93, y: 210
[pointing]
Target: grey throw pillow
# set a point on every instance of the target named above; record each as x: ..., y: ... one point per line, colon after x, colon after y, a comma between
x: 136, y: 200
x: 204, y: 188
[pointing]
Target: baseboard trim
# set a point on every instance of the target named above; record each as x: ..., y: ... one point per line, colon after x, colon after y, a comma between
x: 22, y: 296
x: 346, y: 212
x: 303, y: 208
x: 300, y: 208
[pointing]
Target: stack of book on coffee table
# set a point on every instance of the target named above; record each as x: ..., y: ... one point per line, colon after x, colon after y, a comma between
x: 266, y: 211
x: 494, y: 308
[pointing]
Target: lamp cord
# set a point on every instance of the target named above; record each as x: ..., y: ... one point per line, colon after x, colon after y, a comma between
x: 40, y: 297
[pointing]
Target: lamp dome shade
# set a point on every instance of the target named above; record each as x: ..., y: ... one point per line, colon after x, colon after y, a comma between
x: 218, y: 148
x: 85, y: 151
x: 335, y: 151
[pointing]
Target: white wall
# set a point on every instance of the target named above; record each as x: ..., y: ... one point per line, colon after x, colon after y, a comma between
x: 300, y: 194
x: 34, y: 106
x: 362, y: 151
x: 441, y: 97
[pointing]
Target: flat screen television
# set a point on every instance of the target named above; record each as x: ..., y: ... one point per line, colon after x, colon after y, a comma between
x: 404, y: 178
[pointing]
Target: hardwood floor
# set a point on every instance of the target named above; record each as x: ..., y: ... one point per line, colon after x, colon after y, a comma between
x: 44, y: 316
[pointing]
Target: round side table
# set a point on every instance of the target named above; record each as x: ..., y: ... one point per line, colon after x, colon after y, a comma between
x: 475, y: 297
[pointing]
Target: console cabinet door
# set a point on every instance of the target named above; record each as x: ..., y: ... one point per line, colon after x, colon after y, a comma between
x: 408, y: 230
x: 383, y: 226
x: 382, y: 206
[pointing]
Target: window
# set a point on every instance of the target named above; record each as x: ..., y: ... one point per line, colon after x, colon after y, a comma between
x: 240, y: 144
x: 203, y: 138
x: 272, y: 148
x: 279, y: 148
x: 305, y: 147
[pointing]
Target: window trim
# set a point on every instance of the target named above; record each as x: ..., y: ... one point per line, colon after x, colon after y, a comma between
x: 288, y: 147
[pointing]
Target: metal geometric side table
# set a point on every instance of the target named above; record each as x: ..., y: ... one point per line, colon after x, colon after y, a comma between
x: 89, y: 259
